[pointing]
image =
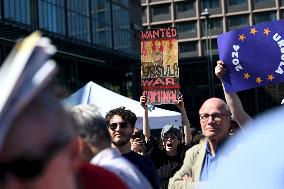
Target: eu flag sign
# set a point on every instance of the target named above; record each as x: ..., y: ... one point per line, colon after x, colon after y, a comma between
x: 253, y: 56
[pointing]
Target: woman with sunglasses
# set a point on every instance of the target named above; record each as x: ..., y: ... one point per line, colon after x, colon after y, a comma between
x: 169, y: 158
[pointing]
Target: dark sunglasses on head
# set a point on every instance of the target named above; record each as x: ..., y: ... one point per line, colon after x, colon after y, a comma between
x: 122, y: 125
x: 28, y: 166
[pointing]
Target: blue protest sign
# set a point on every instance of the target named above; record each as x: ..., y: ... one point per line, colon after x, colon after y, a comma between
x: 253, y: 56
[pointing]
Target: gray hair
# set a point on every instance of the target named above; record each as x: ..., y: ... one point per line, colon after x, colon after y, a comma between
x: 90, y: 125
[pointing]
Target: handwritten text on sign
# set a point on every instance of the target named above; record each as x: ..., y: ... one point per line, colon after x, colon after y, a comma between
x: 159, y: 65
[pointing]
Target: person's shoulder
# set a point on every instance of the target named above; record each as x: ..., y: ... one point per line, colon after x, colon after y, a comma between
x: 93, y: 176
x: 196, y: 148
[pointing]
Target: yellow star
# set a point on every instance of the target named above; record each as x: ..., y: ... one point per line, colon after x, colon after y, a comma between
x: 253, y: 31
x: 242, y: 37
x: 246, y: 75
x: 258, y: 80
x: 270, y: 77
x: 266, y: 31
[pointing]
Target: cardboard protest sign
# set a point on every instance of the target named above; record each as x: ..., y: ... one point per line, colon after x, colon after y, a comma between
x: 159, y: 65
x: 253, y: 56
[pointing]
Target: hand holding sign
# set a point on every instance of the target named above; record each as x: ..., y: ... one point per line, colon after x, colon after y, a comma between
x: 220, y: 69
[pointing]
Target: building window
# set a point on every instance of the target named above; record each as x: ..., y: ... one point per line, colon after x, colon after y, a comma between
x: 121, y: 2
x: 264, y: 17
x: 260, y: 1
x: 17, y: 10
x: 210, y: 4
x: 51, y: 15
x: 185, y: 6
x: 144, y: 27
x: 144, y: 16
x: 121, y: 26
x: 101, y: 6
x: 281, y: 15
x: 215, y: 24
x: 237, y: 2
x: 214, y: 44
x: 186, y: 27
x: 101, y: 23
x: 161, y: 26
x: 237, y: 21
x: 160, y: 10
x: 206, y: 45
x: 187, y: 47
x: 78, y: 20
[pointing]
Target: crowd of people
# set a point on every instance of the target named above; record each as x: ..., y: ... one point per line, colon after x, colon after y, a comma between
x: 51, y: 146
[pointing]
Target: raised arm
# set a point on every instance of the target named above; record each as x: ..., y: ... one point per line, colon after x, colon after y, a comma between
x: 185, y: 121
x: 232, y: 99
x: 146, y: 126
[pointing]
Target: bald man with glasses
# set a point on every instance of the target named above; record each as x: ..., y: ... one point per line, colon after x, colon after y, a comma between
x: 201, y: 160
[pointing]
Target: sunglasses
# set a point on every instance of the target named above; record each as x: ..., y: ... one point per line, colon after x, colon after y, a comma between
x: 29, y: 167
x: 122, y: 125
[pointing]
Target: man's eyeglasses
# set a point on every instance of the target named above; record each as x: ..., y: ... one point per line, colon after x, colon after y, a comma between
x: 29, y: 167
x: 215, y: 116
x: 122, y: 125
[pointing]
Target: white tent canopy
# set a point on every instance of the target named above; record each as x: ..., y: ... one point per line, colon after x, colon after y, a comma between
x: 106, y: 100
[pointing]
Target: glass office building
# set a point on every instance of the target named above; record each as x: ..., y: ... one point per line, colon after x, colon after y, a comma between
x: 197, y: 33
x: 97, y: 40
